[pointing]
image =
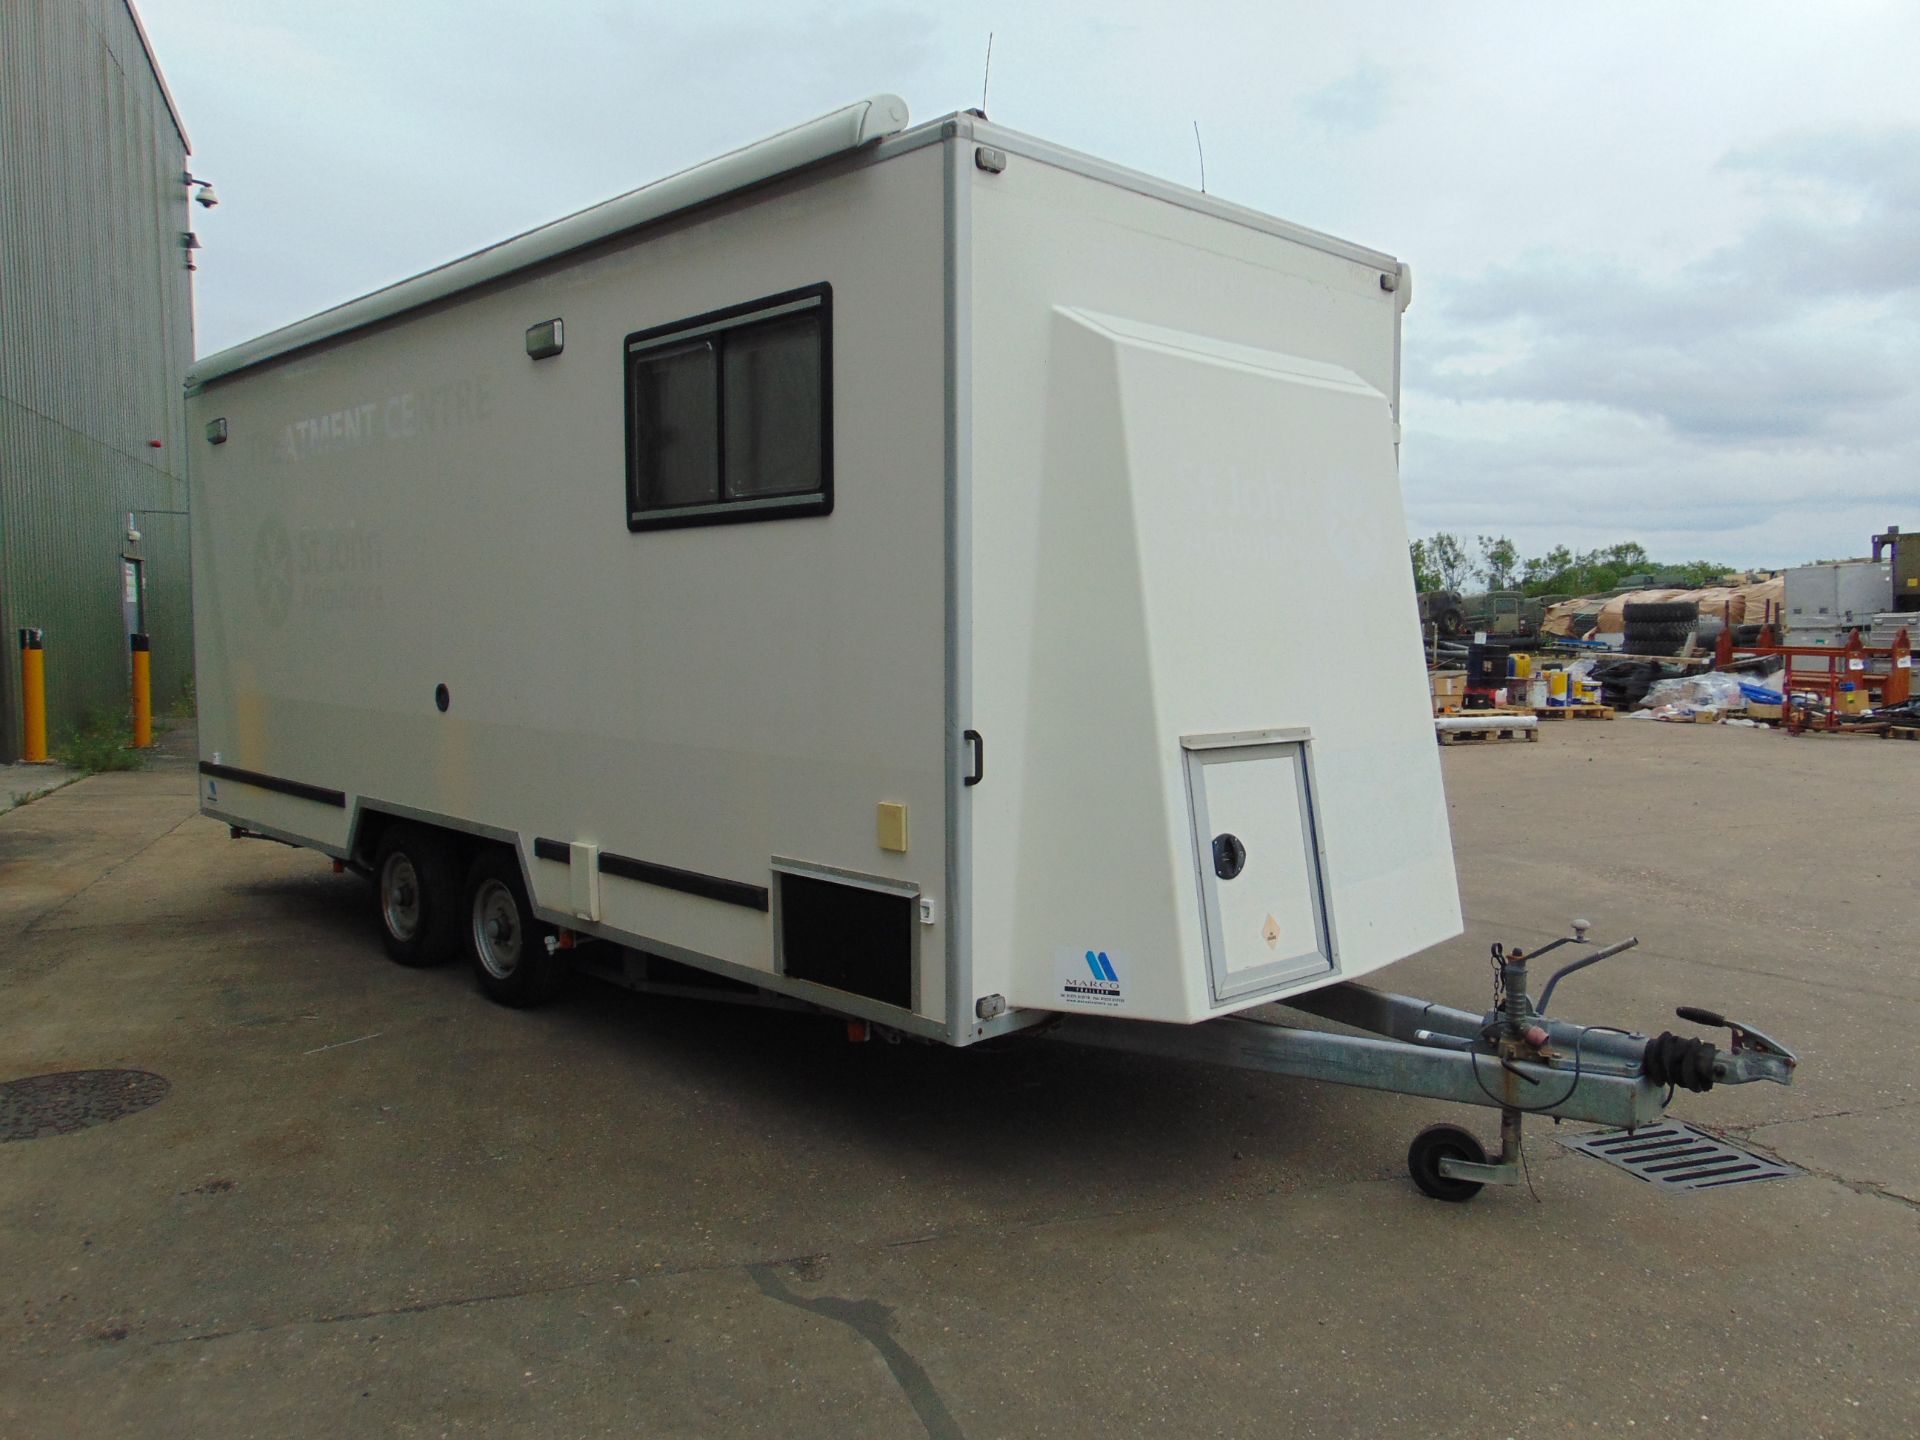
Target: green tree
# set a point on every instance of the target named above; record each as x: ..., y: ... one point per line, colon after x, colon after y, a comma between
x: 1448, y: 558
x: 1499, y: 558
x: 1425, y: 577
x: 1551, y: 573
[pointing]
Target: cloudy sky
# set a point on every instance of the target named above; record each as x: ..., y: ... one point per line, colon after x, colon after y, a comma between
x: 1666, y: 256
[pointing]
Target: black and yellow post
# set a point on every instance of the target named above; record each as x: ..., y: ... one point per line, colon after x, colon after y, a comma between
x: 33, y: 697
x: 142, y: 691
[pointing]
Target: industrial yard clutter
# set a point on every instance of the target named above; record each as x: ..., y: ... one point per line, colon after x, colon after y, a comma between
x: 844, y: 592
x: 1825, y: 647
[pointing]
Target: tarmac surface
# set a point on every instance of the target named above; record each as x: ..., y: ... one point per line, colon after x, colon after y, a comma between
x: 360, y: 1200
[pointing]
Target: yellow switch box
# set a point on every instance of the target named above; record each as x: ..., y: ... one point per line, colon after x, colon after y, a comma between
x: 893, y: 828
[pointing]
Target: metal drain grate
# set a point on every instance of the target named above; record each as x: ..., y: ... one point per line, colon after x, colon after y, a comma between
x: 1679, y: 1157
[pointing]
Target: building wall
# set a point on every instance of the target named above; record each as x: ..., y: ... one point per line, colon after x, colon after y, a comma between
x: 96, y: 334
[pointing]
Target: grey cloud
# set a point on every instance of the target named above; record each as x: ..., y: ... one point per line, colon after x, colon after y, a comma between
x: 1727, y: 386
x: 1552, y: 473
x: 1882, y: 161
x: 1803, y: 329
x: 1357, y: 102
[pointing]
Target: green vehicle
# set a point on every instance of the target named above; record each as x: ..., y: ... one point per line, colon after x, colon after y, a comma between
x: 1504, y: 615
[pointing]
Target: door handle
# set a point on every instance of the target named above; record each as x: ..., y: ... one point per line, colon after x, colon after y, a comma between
x: 979, y: 749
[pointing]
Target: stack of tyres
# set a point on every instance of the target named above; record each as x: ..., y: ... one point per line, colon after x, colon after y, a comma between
x: 1660, y: 627
x: 1624, y: 683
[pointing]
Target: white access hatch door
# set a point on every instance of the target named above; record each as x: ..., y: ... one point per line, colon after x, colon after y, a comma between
x: 1263, y: 901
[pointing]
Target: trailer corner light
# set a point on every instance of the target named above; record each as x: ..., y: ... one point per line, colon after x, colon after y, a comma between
x: 545, y: 340
x: 217, y: 431
x: 986, y: 158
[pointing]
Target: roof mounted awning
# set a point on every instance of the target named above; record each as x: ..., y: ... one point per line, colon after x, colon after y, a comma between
x: 847, y: 128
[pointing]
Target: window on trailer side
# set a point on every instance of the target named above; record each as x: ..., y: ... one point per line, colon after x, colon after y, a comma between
x: 729, y: 415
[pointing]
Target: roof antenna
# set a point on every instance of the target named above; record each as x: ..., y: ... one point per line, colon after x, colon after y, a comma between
x: 986, y: 76
x: 1203, y: 156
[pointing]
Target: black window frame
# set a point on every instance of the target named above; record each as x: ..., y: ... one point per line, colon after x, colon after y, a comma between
x: 716, y: 325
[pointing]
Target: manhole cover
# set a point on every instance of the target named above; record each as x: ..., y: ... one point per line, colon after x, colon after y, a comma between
x: 42, y: 1105
x: 1679, y: 1157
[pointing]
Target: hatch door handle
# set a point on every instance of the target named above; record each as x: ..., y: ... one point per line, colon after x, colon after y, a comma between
x: 979, y: 749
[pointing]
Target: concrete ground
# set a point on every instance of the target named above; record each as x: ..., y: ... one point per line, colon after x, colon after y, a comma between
x: 21, y: 783
x: 373, y: 1204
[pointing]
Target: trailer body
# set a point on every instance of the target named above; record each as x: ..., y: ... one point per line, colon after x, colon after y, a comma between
x: 924, y: 572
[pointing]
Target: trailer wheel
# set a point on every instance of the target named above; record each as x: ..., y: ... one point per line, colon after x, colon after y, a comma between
x: 508, y: 945
x: 417, y: 893
x: 1438, y: 1142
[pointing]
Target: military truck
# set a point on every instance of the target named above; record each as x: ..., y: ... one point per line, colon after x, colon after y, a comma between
x: 1445, y: 611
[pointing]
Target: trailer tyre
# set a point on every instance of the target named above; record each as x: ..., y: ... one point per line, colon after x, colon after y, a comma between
x: 417, y: 895
x: 1430, y: 1147
x: 511, y: 959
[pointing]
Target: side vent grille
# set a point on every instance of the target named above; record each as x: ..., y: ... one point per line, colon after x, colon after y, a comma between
x: 848, y: 937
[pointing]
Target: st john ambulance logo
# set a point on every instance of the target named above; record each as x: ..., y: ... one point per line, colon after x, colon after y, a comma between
x: 1095, y: 982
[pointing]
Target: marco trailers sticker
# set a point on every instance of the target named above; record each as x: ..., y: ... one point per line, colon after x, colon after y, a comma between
x: 1089, y: 977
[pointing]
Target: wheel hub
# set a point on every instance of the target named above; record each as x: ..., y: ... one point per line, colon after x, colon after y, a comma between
x: 496, y: 929
x: 400, y: 897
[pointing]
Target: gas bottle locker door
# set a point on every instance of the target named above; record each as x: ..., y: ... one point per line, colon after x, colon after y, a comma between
x: 1263, y: 893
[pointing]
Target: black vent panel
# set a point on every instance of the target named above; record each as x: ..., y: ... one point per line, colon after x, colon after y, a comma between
x: 848, y: 937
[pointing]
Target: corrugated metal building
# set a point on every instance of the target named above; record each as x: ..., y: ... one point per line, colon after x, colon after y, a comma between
x: 96, y: 333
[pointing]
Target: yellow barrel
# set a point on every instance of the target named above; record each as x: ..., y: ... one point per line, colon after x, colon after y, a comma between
x: 1556, y: 687
x: 1586, y: 692
x: 142, y: 692
x: 33, y: 697
x: 1522, y: 666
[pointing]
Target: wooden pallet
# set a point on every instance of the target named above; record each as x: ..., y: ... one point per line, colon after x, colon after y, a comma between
x: 1870, y: 732
x: 1505, y: 732
x: 1573, y: 712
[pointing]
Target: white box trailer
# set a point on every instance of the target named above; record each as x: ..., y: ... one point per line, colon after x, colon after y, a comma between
x: 919, y: 572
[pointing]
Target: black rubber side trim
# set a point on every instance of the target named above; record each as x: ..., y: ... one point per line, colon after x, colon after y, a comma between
x: 299, y: 789
x: 544, y: 849
x: 711, y: 887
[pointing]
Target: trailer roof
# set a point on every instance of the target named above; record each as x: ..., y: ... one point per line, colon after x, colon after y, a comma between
x: 849, y: 128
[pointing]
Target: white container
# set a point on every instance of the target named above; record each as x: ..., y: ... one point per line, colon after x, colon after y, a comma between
x: 1837, y: 596
x: 1085, y: 441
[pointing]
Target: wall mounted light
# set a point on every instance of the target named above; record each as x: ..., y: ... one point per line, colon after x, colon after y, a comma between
x: 546, y: 339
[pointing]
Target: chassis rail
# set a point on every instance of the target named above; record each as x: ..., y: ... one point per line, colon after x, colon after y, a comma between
x: 1605, y: 1097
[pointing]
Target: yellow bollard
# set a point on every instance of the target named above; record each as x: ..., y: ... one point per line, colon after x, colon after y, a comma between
x: 142, y: 692
x: 33, y: 697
